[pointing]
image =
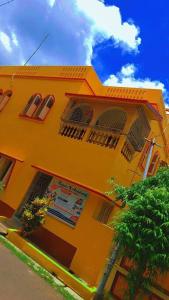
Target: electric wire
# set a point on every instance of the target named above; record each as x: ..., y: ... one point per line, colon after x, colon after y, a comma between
x: 39, y: 46
x: 8, y: 2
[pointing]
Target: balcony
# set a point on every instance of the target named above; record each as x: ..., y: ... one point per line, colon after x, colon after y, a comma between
x: 75, y: 130
x: 103, y: 138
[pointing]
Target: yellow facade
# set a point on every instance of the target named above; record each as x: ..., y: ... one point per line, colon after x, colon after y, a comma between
x: 38, y: 146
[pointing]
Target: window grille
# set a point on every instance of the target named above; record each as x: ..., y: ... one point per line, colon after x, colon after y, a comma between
x: 112, y: 120
x: 104, y: 213
x: 81, y: 114
x: 163, y: 163
x: 139, y: 130
x: 136, y: 135
x: 143, y: 118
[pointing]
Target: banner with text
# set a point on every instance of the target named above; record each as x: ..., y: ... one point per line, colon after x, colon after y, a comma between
x: 67, y: 201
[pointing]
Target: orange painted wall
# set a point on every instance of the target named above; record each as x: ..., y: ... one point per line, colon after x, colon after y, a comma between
x: 38, y: 143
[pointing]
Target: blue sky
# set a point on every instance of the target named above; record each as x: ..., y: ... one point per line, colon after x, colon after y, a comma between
x: 127, y: 42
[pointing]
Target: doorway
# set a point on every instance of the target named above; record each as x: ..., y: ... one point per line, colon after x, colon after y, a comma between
x: 36, y: 189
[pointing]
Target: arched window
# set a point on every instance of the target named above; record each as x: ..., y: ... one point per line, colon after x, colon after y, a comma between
x: 44, y: 108
x: 112, y: 120
x: 137, y: 134
x: 109, y: 125
x: 135, y: 140
x: 75, y: 123
x: 4, y: 98
x: 81, y: 114
x: 154, y: 164
x: 32, y: 105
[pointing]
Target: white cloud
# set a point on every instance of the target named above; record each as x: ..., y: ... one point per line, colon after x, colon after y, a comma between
x: 106, y: 23
x: 5, y: 40
x: 14, y: 39
x: 51, y: 2
x: 126, y: 78
x: 128, y: 70
x: 75, y: 27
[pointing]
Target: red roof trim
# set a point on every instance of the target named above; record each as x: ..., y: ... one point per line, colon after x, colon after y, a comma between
x: 75, y: 182
x: 114, y: 99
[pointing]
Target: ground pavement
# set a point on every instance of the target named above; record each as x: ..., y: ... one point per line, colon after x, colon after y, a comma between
x: 18, y: 282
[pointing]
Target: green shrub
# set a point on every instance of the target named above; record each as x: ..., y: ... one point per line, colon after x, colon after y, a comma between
x: 34, y: 215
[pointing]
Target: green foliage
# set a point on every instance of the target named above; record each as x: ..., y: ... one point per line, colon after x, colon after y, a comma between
x: 161, y: 179
x: 142, y: 229
x: 34, y: 215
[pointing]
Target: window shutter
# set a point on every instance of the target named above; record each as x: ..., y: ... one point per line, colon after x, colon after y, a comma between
x: 154, y: 164
x: 32, y: 105
x: 45, y: 107
x: 4, y: 99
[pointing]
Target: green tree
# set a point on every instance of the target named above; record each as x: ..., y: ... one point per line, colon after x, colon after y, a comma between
x: 142, y: 230
x: 34, y: 215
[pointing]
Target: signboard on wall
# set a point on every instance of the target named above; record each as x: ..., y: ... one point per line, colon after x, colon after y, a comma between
x: 67, y: 201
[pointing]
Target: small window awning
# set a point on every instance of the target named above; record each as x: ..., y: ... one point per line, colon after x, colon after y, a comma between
x: 151, y: 110
x: 10, y: 155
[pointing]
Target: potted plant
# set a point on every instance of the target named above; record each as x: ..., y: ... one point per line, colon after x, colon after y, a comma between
x: 34, y: 215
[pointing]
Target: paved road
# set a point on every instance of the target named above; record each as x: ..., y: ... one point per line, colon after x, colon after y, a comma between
x: 18, y: 282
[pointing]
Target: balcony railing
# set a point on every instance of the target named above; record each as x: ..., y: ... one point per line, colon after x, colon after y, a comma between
x: 128, y: 150
x: 103, y: 138
x: 73, y: 130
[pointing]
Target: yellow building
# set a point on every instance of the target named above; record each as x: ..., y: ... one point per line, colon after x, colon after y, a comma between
x: 65, y: 134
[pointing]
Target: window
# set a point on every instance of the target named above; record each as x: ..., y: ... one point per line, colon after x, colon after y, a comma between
x: 6, y: 166
x: 4, y: 98
x: 44, y: 107
x: 32, y: 105
x: 38, y: 108
x: 81, y: 114
x: 154, y: 164
x: 163, y: 163
x: 104, y: 213
x: 135, y: 135
x: 112, y: 120
x: 76, y: 121
x: 139, y: 130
